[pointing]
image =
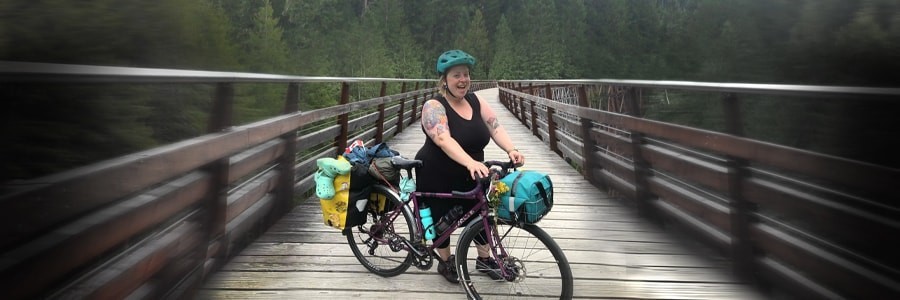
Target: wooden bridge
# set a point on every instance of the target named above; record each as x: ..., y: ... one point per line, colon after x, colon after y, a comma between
x: 646, y: 209
x: 612, y: 252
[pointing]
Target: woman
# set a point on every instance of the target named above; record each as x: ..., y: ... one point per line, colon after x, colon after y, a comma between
x: 458, y: 126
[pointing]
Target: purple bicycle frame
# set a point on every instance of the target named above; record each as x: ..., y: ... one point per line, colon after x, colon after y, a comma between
x: 475, y: 194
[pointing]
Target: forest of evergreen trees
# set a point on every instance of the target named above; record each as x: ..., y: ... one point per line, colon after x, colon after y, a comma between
x: 822, y: 42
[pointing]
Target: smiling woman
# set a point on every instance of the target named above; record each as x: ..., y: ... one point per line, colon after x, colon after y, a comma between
x: 458, y: 125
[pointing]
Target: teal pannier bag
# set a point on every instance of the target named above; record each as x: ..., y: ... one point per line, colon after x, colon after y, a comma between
x: 529, y: 199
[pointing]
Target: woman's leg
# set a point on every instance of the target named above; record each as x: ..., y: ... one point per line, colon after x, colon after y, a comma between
x: 444, y: 253
x: 439, y: 208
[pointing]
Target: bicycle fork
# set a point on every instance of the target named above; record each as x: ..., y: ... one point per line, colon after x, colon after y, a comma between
x: 510, y: 268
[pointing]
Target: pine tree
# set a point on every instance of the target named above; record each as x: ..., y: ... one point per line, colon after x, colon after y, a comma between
x: 475, y: 42
x: 506, y: 61
x: 266, y: 52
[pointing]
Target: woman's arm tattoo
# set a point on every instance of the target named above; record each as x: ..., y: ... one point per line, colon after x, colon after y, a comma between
x: 434, y: 118
x: 493, y: 123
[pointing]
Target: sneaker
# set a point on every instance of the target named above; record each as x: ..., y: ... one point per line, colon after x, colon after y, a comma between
x: 488, y: 265
x: 448, y: 270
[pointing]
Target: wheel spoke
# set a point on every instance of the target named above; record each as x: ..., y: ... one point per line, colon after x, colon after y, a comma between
x: 373, y: 247
x: 535, y: 266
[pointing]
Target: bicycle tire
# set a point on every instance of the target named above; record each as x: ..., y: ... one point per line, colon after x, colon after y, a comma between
x: 538, y: 270
x: 395, y: 262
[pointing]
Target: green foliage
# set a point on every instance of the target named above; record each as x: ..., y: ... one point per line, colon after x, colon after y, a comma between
x: 54, y: 127
x: 266, y: 53
x: 831, y: 42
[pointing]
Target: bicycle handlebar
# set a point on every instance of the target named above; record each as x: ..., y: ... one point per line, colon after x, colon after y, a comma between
x: 485, y: 181
x: 504, y: 168
x: 505, y: 165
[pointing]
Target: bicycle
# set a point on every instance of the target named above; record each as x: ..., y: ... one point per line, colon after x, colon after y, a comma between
x: 524, y: 272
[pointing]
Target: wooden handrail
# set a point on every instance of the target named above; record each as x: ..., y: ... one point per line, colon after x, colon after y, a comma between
x: 13, y: 71
x: 724, y: 87
x: 159, y: 221
x: 735, y: 192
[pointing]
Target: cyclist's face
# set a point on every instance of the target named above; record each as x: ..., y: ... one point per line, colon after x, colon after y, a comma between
x: 458, y: 79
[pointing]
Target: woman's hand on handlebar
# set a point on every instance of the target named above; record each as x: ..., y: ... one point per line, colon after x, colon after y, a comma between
x: 477, y: 170
x: 517, y: 158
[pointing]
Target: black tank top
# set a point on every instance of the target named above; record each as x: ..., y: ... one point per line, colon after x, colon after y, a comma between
x: 440, y: 173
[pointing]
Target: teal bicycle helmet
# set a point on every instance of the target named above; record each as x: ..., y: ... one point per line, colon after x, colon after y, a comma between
x: 452, y: 58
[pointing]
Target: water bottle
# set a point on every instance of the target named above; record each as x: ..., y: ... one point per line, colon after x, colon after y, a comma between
x: 427, y: 222
x: 454, y: 214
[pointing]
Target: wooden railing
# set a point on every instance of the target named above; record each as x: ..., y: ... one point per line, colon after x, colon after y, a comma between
x: 809, y: 224
x: 155, y: 223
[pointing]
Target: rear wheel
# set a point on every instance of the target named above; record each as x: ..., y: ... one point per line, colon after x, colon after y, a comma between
x: 535, y: 266
x: 377, y: 243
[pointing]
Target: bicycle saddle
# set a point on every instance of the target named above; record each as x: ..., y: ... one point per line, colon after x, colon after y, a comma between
x: 406, y: 164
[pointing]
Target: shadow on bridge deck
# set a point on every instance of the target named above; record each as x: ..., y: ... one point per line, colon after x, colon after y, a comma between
x: 613, y: 252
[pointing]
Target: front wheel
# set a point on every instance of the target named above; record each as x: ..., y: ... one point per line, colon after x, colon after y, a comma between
x: 535, y: 265
x: 377, y: 244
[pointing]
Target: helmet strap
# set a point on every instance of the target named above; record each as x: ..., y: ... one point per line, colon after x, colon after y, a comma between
x: 446, y: 86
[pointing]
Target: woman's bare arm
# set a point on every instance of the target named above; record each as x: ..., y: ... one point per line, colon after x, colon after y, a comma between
x: 499, y: 134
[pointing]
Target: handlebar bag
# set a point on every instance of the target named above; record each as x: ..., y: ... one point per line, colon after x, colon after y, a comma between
x: 529, y: 199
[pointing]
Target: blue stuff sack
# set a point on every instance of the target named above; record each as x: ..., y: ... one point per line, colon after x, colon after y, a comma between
x: 529, y: 199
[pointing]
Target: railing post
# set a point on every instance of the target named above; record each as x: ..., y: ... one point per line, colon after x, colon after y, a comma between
x: 512, y: 101
x: 587, y: 139
x: 506, y: 95
x: 434, y: 91
x: 551, y: 124
x: 222, y: 105
x: 548, y: 93
x: 217, y: 204
x: 288, y: 159
x: 515, y: 106
x: 508, y: 98
x: 531, y: 106
x: 641, y: 166
x: 343, y: 120
x: 400, y: 112
x: 415, y: 104
x: 502, y: 94
x: 534, y: 124
x: 522, y: 108
x: 379, y: 125
x: 740, y: 208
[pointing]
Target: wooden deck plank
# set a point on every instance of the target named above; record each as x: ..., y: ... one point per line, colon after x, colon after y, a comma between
x: 302, y: 282
x: 613, y: 253
x: 591, y: 270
